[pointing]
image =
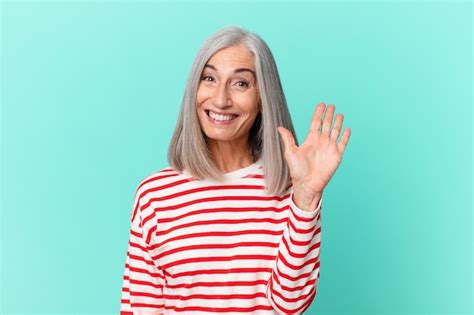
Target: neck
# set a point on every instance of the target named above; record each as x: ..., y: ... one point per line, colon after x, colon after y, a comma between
x: 230, y: 156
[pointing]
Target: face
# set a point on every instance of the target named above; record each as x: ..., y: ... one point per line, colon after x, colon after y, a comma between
x: 227, y: 97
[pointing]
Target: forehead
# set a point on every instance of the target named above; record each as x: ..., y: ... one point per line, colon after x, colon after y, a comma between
x: 233, y: 56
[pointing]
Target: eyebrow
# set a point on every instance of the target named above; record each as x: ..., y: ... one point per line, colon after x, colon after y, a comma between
x: 235, y: 71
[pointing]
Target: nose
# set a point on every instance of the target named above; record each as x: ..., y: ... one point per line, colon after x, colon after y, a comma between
x: 222, y: 97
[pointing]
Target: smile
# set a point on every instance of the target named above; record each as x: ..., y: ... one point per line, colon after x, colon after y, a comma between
x: 220, y: 119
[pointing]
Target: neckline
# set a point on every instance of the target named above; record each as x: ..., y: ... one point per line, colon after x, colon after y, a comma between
x: 243, y: 171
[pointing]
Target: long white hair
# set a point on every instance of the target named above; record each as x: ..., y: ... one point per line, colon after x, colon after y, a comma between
x: 188, y: 148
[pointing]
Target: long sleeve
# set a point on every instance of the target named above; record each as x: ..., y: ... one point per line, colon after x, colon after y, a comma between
x: 293, y: 283
x: 142, y: 289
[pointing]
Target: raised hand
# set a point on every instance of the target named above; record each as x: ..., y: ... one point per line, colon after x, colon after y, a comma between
x: 313, y: 163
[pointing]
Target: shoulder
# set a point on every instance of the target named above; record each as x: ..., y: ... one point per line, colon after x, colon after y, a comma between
x: 159, y: 183
x: 152, y: 186
x: 156, y: 179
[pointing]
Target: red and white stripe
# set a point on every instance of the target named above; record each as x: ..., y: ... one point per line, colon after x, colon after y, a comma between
x: 205, y: 246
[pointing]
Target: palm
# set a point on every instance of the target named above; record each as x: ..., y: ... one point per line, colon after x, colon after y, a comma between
x: 313, y: 163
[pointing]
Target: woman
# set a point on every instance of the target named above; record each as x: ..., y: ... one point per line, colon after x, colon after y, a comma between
x: 234, y: 224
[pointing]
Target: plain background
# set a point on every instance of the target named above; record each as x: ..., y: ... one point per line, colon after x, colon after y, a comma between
x: 90, y: 94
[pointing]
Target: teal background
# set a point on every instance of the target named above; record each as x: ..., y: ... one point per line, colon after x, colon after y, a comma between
x: 90, y: 93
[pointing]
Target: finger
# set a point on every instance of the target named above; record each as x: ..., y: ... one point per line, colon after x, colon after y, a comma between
x: 344, y: 140
x: 328, y: 119
x: 337, y: 127
x: 288, y: 139
x: 317, y: 116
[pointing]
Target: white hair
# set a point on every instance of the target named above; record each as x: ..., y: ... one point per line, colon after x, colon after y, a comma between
x: 188, y: 148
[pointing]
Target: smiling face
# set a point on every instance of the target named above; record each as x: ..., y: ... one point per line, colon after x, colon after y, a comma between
x: 227, y: 97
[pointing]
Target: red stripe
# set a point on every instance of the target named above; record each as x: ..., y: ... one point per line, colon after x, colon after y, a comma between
x: 214, y: 188
x: 160, y: 176
x: 310, y: 300
x: 294, y: 288
x: 218, y: 271
x: 309, y: 281
x: 137, y: 203
x: 292, y: 300
x: 220, y: 198
x: 144, y: 271
x: 136, y: 234
x: 222, y: 221
x: 291, y: 278
x: 147, y: 294
x: 220, y: 210
x: 254, y: 176
x: 215, y: 246
x: 214, y: 259
x: 304, y: 243
x: 222, y: 309
x: 216, y: 233
x: 286, y: 310
x: 140, y: 258
x: 150, y: 233
x: 295, y: 267
x: 216, y: 296
x: 202, y: 189
x: 304, y: 219
x: 301, y: 231
x: 218, y: 284
x: 147, y: 283
x: 137, y: 305
x: 140, y: 247
x: 297, y: 255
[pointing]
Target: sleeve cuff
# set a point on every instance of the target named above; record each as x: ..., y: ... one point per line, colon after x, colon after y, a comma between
x: 303, y: 213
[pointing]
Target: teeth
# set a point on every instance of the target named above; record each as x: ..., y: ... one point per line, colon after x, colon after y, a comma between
x: 221, y: 117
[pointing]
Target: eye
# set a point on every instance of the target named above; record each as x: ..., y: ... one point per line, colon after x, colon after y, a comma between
x: 245, y: 84
x: 204, y: 78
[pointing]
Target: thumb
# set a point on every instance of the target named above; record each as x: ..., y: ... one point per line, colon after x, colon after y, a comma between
x: 288, y: 140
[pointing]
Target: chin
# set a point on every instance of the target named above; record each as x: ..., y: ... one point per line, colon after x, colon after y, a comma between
x: 218, y: 137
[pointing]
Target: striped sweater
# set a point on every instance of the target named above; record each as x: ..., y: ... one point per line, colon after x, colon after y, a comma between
x: 205, y: 246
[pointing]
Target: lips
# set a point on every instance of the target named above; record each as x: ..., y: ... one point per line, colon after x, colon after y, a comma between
x: 208, y: 110
x: 220, y: 122
x: 220, y: 118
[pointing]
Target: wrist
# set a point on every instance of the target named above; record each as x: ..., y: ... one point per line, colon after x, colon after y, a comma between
x: 306, y: 199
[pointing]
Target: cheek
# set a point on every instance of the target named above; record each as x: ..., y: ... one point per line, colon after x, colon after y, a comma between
x: 201, y: 95
x: 252, y: 105
x: 248, y: 100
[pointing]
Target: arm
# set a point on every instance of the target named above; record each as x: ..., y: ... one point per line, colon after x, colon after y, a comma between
x: 142, y: 289
x: 293, y: 283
